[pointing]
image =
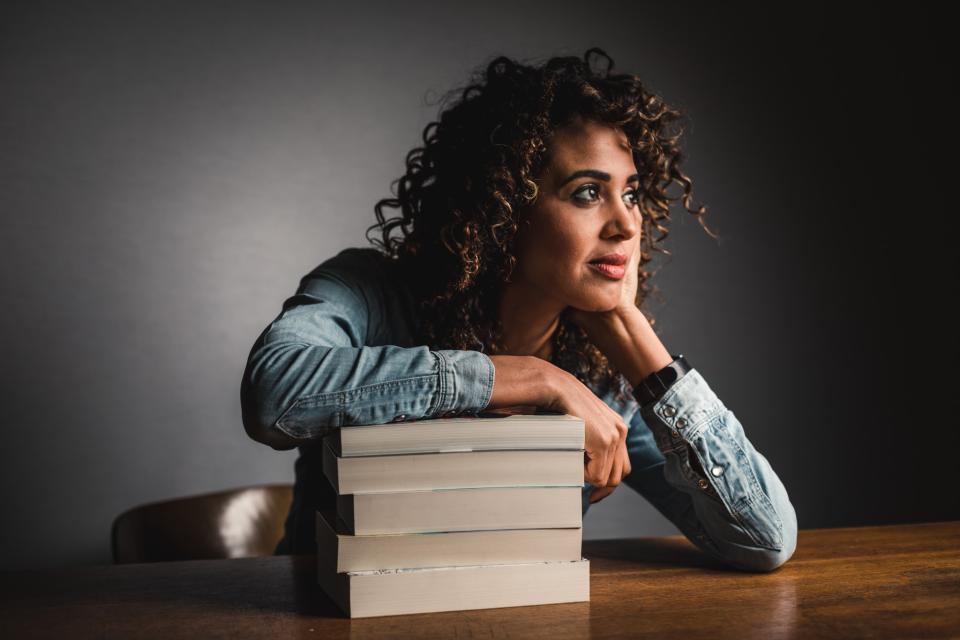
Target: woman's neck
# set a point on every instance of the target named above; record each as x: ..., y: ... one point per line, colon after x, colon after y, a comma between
x: 529, y: 320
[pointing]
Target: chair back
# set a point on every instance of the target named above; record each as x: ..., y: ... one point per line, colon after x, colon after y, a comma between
x: 227, y: 524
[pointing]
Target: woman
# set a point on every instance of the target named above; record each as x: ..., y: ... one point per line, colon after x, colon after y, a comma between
x: 526, y: 220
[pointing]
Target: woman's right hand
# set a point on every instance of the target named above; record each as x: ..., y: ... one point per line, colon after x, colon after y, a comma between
x: 605, y: 433
x: 529, y: 380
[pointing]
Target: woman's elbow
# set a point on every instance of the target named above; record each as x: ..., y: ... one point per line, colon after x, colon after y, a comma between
x: 790, y: 533
x: 767, y: 560
x: 259, y: 421
x: 265, y: 432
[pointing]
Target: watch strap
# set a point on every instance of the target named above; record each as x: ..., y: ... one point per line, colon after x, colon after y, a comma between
x: 655, y: 385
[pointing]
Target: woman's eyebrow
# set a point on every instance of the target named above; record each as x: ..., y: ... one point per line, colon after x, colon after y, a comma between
x: 594, y: 173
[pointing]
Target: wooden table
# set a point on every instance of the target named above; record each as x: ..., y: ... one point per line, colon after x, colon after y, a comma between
x: 899, y: 581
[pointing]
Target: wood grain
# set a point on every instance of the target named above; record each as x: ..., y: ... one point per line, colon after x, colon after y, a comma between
x: 892, y: 581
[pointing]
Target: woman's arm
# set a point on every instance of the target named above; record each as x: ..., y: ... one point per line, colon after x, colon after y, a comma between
x: 691, y: 459
x: 689, y: 455
x: 312, y: 369
x: 524, y: 382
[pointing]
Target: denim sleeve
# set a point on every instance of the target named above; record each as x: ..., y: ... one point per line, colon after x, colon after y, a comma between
x: 312, y: 369
x: 690, y: 458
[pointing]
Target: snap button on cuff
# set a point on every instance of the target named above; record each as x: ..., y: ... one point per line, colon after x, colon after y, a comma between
x: 717, y: 471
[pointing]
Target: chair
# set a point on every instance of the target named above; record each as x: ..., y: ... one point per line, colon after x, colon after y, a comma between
x: 227, y: 524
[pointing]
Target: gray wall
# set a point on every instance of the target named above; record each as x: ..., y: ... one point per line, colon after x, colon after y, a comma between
x: 169, y: 171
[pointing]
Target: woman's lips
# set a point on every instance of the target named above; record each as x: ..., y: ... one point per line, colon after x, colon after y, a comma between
x: 610, y: 270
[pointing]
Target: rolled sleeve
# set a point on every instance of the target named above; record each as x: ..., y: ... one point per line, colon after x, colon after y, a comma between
x: 739, y: 502
x: 466, y: 381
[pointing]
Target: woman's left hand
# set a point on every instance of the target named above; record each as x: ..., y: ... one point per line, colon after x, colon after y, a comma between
x: 626, y: 303
x: 600, y: 324
x: 623, y: 334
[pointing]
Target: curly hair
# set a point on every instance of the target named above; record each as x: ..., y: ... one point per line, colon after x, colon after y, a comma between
x: 465, y: 191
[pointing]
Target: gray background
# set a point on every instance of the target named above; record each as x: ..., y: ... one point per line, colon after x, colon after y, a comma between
x: 168, y: 171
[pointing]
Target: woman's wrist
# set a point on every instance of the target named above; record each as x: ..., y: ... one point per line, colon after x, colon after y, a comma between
x: 633, y: 348
x: 524, y: 381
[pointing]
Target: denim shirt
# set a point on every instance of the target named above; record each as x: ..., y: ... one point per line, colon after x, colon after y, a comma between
x: 341, y: 352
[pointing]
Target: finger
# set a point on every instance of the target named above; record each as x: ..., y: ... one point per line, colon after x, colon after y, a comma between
x: 627, y: 467
x: 599, y: 494
x: 614, y: 478
x: 603, y: 471
x: 601, y: 461
x: 625, y: 456
x: 598, y: 469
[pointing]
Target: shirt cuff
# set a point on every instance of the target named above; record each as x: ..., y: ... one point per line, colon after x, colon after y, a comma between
x: 683, y: 410
x: 466, y: 381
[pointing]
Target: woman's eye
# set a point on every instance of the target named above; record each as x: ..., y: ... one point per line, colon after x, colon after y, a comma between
x: 594, y: 192
x: 592, y: 188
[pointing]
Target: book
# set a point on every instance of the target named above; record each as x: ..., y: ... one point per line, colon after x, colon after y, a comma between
x: 380, y: 592
x: 454, y: 514
x: 488, y: 431
x: 461, y: 509
x: 353, y: 552
x: 452, y: 470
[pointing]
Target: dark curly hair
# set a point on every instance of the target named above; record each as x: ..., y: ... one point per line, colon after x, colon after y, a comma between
x: 464, y: 193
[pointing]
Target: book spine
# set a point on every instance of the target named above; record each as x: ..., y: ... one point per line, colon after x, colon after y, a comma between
x: 330, y: 467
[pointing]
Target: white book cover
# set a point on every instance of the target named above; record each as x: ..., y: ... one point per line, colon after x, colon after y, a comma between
x: 455, y: 470
x: 363, y: 594
x: 350, y: 552
x: 461, y: 509
x: 484, y: 432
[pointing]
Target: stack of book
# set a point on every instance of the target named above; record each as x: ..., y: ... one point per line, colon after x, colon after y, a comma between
x: 454, y: 513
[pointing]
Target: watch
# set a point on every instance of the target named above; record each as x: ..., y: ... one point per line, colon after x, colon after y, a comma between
x: 655, y: 385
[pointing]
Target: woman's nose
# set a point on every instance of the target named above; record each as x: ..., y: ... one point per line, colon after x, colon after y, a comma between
x: 626, y: 219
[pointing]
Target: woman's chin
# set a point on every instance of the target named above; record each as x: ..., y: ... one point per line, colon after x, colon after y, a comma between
x: 597, y: 304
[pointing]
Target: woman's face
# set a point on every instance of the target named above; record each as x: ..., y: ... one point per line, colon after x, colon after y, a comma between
x: 587, y: 207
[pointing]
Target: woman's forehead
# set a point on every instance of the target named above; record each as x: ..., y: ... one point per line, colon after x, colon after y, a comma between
x: 598, y: 146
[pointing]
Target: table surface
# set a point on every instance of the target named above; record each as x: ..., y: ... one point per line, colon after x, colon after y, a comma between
x: 884, y: 581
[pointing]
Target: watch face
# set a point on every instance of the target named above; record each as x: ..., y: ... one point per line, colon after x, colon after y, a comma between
x: 672, y: 372
x: 669, y: 375
x: 656, y: 384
